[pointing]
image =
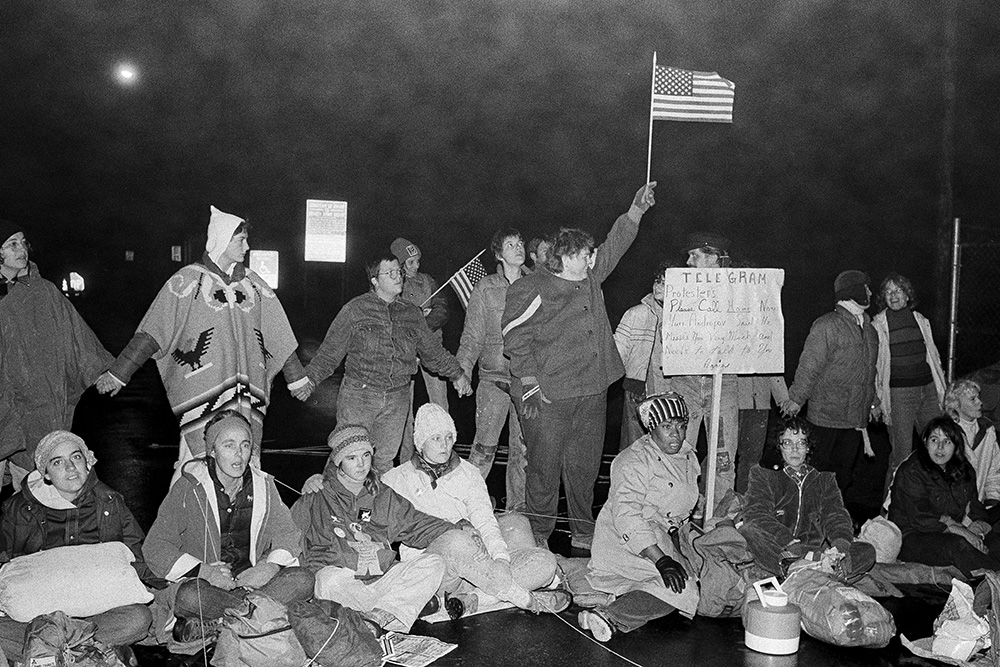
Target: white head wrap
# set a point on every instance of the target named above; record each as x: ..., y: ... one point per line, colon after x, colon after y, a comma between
x: 220, y: 232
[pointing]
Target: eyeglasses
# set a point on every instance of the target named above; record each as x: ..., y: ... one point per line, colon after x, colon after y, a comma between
x: 514, y: 244
x: 793, y: 445
x: 393, y: 273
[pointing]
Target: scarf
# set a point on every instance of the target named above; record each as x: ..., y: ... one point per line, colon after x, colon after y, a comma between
x: 435, y: 470
x: 349, y: 484
x: 855, y: 309
x: 798, y: 475
x: 22, y: 277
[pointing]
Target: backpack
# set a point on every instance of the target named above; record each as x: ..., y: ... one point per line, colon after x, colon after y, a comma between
x: 56, y: 639
x: 334, y: 635
x: 261, y: 636
x: 725, y: 572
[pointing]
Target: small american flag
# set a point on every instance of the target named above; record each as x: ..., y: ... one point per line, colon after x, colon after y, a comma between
x: 466, y: 278
x: 680, y: 94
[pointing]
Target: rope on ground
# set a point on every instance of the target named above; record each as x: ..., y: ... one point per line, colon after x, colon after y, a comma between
x: 586, y: 635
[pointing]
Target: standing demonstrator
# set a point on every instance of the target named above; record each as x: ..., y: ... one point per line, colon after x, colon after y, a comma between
x: 380, y: 335
x: 219, y: 336
x: 48, y: 355
x: 482, y: 343
x: 705, y: 250
x: 836, y: 374
x: 910, y: 381
x: 562, y: 360
x: 421, y: 290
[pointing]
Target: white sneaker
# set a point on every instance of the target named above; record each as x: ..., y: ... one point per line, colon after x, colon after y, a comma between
x: 597, y: 624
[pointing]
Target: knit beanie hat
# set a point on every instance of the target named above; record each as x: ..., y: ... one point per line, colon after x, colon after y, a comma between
x: 8, y: 229
x: 706, y: 240
x: 660, y: 407
x: 403, y: 249
x: 216, y: 427
x: 850, y: 286
x: 221, y: 227
x: 348, y: 439
x: 48, y: 444
x: 431, y: 419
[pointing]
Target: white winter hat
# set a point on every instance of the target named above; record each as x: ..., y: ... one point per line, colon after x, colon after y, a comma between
x: 431, y: 419
x: 221, y: 227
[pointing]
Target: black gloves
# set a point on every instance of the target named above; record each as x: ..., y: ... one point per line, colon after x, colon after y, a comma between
x: 673, y: 573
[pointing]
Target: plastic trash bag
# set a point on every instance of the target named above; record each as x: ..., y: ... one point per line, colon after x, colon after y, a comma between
x: 837, y: 613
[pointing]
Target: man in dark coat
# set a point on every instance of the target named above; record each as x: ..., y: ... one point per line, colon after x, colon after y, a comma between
x: 836, y: 374
x: 48, y: 355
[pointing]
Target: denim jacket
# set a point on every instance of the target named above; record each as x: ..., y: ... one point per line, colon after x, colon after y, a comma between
x: 381, y: 342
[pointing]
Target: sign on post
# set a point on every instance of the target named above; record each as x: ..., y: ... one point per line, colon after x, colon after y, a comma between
x: 265, y: 264
x: 326, y: 231
x: 722, y: 321
x: 726, y: 320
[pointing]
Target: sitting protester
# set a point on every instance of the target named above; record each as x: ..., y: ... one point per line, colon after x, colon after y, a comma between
x: 797, y: 510
x: 348, y: 527
x: 223, y: 530
x: 642, y: 546
x: 63, y: 503
x: 962, y: 403
x: 936, y: 505
x: 437, y: 481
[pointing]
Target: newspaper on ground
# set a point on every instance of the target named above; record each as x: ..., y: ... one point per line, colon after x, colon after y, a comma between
x: 413, y: 650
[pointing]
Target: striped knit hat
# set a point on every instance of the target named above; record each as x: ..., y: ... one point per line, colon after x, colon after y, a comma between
x: 348, y: 439
x: 660, y: 407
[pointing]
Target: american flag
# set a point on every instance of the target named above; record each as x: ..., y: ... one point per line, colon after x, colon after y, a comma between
x: 680, y: 94
x: 466, y: 278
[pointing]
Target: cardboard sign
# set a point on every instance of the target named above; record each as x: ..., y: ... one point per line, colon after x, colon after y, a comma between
x: 326, y: 231
x: 723, y: 318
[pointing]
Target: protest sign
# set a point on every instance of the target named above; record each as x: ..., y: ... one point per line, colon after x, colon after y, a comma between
x: 723, y: 319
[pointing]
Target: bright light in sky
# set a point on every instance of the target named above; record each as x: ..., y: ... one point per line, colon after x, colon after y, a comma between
x: 127, y: 74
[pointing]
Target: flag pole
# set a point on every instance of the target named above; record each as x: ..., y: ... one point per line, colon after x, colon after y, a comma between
x: 649, y: 151
x: 448, y: 282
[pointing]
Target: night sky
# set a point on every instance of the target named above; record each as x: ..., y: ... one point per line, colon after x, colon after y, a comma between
x: 442, y: 121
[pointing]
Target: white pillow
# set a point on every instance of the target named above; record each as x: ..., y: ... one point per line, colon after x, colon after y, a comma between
x: 80, y: 581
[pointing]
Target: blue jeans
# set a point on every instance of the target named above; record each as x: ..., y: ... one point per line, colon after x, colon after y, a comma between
x: 382, y: 412
x: 196, y: 597
x: 565, y: 443
x: 912, y: 408
x: 468, y: 560
x: 493, y: 406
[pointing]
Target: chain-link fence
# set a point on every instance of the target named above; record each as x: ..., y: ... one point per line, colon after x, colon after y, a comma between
x: 977, y: 322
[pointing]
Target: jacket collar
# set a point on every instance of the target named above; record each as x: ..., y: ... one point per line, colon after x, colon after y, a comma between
x: 40, y: 491
x: 851, y: 317
x: 239, y: 270
x: 524, y: 271
x: 652, y: 304
x: 798, y: 476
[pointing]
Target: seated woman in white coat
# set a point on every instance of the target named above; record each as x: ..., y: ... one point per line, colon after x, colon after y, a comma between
x: 642, y: 548
x: 962, y: 403
x: 440, y: 483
